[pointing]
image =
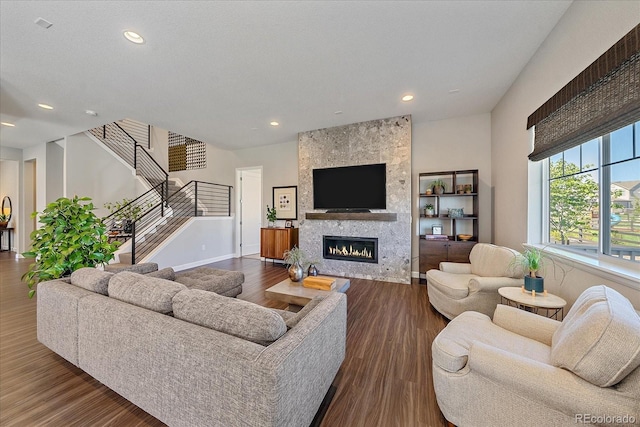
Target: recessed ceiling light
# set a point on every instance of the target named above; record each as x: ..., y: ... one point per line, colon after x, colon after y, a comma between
x: 274, y: 123
x: 91, y: 113
x: 11, y: 125
x: 407, y: 98
x: 337, y: 112
x: 452, y: 91
x: 45, y: 106
x: 133, y: 37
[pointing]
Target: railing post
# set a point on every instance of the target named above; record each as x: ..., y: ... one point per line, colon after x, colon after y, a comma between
x: 133, y: 242
x: 162, y: 198
x: 195, y: 202
x: 149, y: 137
x: 229, y: 203
x: 166, y: 190
x: 135, y: 156
x: 104, y: 131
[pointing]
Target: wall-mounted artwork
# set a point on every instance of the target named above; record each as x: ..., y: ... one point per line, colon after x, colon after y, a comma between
x: 285, y: 200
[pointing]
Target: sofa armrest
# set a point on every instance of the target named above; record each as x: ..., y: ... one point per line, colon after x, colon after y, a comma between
x: 492, y: 284
x: 542, y: 384
x: 526, y: 324
x: 455, y: 267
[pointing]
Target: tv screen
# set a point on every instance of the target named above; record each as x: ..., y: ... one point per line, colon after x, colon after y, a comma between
x: 350, y: 187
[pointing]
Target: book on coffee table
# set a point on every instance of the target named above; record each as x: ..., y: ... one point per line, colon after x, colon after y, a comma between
x: 319, y: 282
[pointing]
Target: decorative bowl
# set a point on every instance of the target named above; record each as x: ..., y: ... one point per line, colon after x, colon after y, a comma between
x: 464, y: 236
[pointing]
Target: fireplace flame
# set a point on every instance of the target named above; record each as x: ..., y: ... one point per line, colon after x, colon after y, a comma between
x: 364, y: 253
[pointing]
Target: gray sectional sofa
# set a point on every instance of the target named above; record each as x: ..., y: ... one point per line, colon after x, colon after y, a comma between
x: 191, y: 357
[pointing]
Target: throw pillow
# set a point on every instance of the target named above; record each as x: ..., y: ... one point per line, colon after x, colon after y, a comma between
x: 599, y: 339
x: 232, y: 316
x: 91, y: 279
x: 151, y: 293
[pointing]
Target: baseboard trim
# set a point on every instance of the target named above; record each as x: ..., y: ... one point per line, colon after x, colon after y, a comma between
x: 202, y: 262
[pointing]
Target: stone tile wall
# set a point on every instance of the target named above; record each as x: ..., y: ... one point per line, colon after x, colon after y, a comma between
x: 377, y: 141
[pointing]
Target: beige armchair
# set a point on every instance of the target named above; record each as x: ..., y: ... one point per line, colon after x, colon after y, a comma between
x: 458, y: 287
x: 525, y: 369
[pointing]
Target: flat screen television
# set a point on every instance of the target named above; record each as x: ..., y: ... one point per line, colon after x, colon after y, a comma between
x: 350, y: 188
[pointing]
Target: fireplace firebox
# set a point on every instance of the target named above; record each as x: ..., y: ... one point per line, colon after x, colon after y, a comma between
x: 358, y: 249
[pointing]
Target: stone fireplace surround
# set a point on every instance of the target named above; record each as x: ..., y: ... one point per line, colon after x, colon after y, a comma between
x: 377, y: 141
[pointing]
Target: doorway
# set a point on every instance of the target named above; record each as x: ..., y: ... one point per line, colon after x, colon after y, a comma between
x: 29, y: 179
x: 249, y: 219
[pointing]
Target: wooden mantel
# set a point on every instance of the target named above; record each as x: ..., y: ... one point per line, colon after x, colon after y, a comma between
x: 353, y: 216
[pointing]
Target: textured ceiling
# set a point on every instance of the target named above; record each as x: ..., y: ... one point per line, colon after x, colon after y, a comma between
x: 221, y: 71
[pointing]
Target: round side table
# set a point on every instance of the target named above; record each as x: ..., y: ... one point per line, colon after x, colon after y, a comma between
x: 553, y: 305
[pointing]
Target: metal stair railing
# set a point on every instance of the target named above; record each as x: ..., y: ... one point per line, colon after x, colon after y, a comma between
x: 127, y: 148
x: 195, y: 199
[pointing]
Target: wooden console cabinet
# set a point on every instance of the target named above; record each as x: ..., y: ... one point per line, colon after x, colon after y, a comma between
x: 275, y: 241
x: 432, y: 252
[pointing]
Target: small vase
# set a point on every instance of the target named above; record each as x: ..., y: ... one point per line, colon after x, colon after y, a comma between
x: 272, y: 224
x: 312, y: 271
x: 295, y: 272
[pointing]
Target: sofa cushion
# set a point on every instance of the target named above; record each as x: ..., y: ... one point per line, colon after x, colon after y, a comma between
x: 211, y: 279
x: 166, y: 273
x: 91, y: 279
x: 453, y: 285
x: 599, y: 339
x: 297, y: 317
x: 489, y: 260
x: 232, y: 316
x: 147, y: 292
x: 142, y: 268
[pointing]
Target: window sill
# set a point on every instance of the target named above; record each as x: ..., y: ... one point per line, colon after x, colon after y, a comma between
x: 609, y: 268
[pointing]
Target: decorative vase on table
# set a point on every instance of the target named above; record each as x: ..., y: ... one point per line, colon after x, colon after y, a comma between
x: 295, y: 272
x: 272, y: 224
x: 533, y: 284
x: 312, y: 271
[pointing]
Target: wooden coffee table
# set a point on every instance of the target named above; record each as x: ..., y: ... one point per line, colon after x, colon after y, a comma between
x: 517, y: 297
x: 297, y: 295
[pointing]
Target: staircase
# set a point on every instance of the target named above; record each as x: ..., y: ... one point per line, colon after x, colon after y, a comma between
x: 161, y: 210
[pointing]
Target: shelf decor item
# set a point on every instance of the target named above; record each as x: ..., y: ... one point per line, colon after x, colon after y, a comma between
x: 436, y: 229
x: 438, y: 186
x: 429, y: 210
x: 531, y: 261
x: 456, y: 212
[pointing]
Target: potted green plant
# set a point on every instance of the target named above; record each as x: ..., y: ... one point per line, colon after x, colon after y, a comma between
x: 4, y: 220
x: 295, y: 258
x: 429, y: 210
x: 438, y: 186
x: 125, y: 213
x: 271, y: 216
x: 532, y: 260
x: 71, y: 237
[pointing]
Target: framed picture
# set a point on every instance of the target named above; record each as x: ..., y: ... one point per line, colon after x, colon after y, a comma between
x: 288, y: 224
x: 285, y: 200
x: 436, y: 229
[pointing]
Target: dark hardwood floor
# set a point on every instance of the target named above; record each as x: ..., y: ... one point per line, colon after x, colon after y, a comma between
x: 385, y: 379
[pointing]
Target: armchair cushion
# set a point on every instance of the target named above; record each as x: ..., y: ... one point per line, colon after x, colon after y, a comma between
x: 599, y: 339
x: 451, y: 346
x: 489, y: 260
x: 455, y: 286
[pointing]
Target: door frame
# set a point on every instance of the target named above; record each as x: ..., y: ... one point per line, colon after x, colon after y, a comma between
x: 238, y: 222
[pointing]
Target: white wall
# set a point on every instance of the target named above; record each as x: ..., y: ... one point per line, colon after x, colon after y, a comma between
x: 55, y: 170
x: 9, y: 179
x: 91, y: 171
x: 460, y: 143
x: 279, y: 169
x: 584, y: 33
x: 200, y: 241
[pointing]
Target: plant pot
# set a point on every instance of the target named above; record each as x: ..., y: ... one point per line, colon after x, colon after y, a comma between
x: 429, y: 212
x: 534, y: 284
x: 4, y: 224
x: 272, y: 224
x: 295, y: 272
x: 438, y: 189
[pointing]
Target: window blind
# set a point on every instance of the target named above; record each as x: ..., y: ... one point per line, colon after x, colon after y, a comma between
x: 601, y: 99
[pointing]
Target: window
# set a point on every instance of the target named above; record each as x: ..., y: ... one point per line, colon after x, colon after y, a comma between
x: 594, y: 196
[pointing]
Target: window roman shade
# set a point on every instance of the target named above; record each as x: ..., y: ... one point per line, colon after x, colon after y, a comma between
x: 601, y: 99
